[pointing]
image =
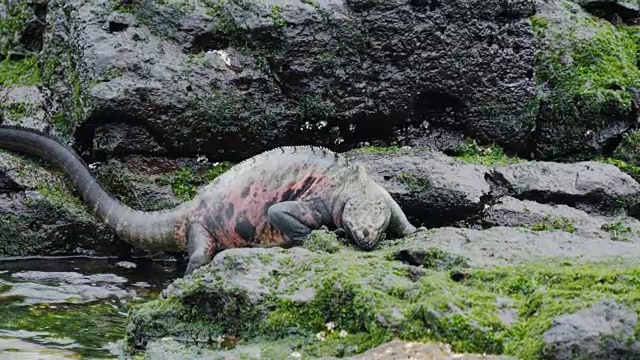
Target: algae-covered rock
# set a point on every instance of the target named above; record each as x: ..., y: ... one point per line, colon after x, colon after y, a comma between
x: 587, y: 80
x: 271, y: 303
x: 168, y: 349
x: 39, y: 215
x: 23, y: 105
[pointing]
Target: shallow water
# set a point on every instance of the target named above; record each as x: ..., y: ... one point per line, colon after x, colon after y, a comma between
x: 72, y: 307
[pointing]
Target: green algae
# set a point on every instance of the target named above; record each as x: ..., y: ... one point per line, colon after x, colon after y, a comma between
x: 87, y: 329
x: 19, y: 72
x: 559, y: 223
x: 492, y: 154
x: 185, y: 182
x: 618, y: 230
x: 629, y: 148
x: 12, y: 26
x: 61, y: 68
x: 362, y: 299
x: 315, y: 107
x: 324, y: 242
x: 377, y: 149
x: 545, y: 290
x: 91, y: 326
x: 585, y: 68
x: 414, y: 183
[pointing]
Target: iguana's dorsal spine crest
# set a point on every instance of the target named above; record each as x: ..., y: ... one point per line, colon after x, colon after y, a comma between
x: 291, y: 150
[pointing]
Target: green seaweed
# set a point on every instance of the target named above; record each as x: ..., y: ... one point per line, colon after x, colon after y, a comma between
x: 185, y: 182
x: 362, y: 300
x: 19, y: 72
x: 618, y: 230
x: 560, y: 223
x: 377, y: 149
x: 472, y: 152
x: 585, y: 68
x: 324, y: 242
x: 12, y: 26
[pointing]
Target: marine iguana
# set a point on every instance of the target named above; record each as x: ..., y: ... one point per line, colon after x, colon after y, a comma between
x: 275, y: 198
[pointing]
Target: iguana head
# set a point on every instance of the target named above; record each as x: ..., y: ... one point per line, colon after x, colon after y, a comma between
x: 366, y: 214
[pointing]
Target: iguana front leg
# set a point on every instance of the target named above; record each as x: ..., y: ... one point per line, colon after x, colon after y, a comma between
x: 399, y: 224
x: 200, y: 245
x: 295, y: 219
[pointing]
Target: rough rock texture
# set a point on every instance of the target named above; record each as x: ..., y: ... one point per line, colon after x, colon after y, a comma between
x: 615, y: 11
x: 40, y: 216
x: 604, y: 331
x: 432, y: 188
x: 240, y: 77
x: 467, y: 288
x: 437, y: 190
x: 587, y: 185
x: 510, y: 212
x: 121, y: 140
x: 23, y: 105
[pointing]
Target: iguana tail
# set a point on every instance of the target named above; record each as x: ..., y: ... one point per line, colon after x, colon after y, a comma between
x: 149, y: 230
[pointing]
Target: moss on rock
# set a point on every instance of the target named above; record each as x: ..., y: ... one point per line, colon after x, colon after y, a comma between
x: 61, y: 65
x: 347, y: 301
x: 19, y: 72
x: 585, y: 71
x: 492, y: 154
x: 13, y: 23
x: 45, y: 216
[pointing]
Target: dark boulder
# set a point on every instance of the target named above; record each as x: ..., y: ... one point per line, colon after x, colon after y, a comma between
x: 604, y: 331
x: 234, y: 79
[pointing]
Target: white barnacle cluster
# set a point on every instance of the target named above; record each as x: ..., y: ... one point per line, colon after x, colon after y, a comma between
x: 331, y: 332
x: 202, y: 159
x: 223, y: 55
x: 306, y: 126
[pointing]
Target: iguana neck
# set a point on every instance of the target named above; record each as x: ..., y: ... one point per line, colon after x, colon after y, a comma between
x: 150, y: 230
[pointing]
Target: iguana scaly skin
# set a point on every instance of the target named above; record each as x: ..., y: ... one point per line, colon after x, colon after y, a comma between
x: 272, y: 199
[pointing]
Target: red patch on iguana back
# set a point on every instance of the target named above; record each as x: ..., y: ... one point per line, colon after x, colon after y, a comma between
x: 241, y: 220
